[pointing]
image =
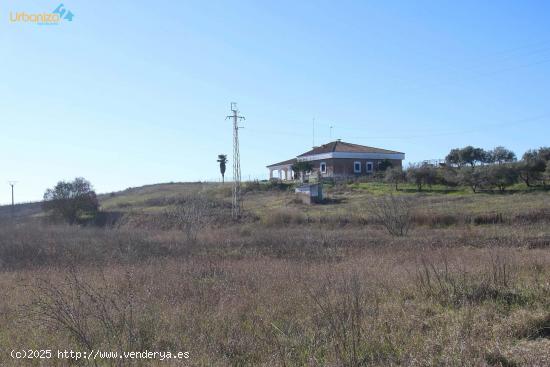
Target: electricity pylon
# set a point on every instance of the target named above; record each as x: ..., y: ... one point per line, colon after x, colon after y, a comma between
x: 236, y: 204
x: 12, y: 184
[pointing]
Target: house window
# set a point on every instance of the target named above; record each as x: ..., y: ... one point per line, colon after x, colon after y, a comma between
x: 323, y: 167
x: 357, y: 167
x: 369, y: 167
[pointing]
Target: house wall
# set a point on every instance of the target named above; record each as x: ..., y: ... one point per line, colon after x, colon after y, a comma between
x: 284, y: 173
x: 343, y: 167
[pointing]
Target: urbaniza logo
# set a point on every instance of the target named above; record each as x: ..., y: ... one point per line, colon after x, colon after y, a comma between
x: 56, y: 17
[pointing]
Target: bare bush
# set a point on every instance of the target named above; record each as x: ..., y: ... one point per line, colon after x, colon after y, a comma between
x: 347, y: 310
x: 452, y: 287
x: 344, y: 317
x: 395, y: 213
x: 93, y: 314
x: 192, y: 215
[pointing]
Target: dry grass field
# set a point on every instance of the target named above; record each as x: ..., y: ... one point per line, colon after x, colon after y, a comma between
x: 290, y: 284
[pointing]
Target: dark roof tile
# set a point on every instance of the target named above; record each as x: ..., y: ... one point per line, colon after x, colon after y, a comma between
x: 340, y: 146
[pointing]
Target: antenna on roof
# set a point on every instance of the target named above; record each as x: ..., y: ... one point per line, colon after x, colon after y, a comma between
x: 330, y: 132
x: 313, y: 140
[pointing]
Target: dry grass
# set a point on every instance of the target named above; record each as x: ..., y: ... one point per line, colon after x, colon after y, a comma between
x: 285, y: 290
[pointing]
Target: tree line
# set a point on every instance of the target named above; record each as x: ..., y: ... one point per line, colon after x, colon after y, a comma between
x: 478, y: 169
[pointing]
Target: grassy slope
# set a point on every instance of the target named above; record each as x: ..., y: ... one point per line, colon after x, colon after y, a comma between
x: 346, y: 199
x: 270, y: 292
x: 154, y: 198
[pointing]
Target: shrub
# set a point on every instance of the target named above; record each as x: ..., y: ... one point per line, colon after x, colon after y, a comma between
x: 72, y: 201
x: 497, y: 359
x: 394, y: 213
x: 536, y: 328
x: 457, y: 288
x: 344, y: 307
x: 94, y: 315
x: 192, y: 215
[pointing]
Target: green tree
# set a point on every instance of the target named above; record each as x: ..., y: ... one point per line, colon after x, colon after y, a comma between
x: 544, y: 153
x: 448, y: 176
x: 546, y: 178
x: 222, y: 160
x: 531, y: 167
x: 501, y: 155
x: 395, y: 175
x: 384, y: 165
x: 459, y: 157
x: 71, y: 201
x: 301, y: 168
x: 472, y: 156
x: 453, y: 158
x: 501, y: 176
x: 471, y: 178
x: 422, y: 174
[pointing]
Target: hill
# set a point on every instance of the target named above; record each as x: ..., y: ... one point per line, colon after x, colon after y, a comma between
x: 20, y: 210
x: 344, y: 201
x: 289, y: 284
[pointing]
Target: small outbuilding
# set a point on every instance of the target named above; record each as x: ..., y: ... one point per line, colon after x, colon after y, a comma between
x: 311, y: 193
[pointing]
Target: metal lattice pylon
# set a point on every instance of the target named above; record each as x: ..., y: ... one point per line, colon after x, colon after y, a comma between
x: 236, y: 204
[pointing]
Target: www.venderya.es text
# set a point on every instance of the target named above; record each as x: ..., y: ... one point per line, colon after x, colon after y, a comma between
x: 96, y: 354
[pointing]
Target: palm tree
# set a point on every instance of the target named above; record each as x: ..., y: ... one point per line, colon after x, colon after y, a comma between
x: 222, y: 160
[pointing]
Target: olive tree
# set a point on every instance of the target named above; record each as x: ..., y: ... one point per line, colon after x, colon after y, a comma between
x: 395, y: 175
x: 501, y: 176
x: 474, y: 179
x: 546, y: 178
x: 531, y: 167
x: 422, y: 174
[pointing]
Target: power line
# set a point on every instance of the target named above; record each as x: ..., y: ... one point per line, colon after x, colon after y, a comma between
x: 476, y: 76
x: 481, y: 127
x: 477, y: 68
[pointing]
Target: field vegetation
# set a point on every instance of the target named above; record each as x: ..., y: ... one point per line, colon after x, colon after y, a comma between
x: 466, y: 283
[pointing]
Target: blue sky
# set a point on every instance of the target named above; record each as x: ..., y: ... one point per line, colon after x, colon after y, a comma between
x: 133, y: 92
